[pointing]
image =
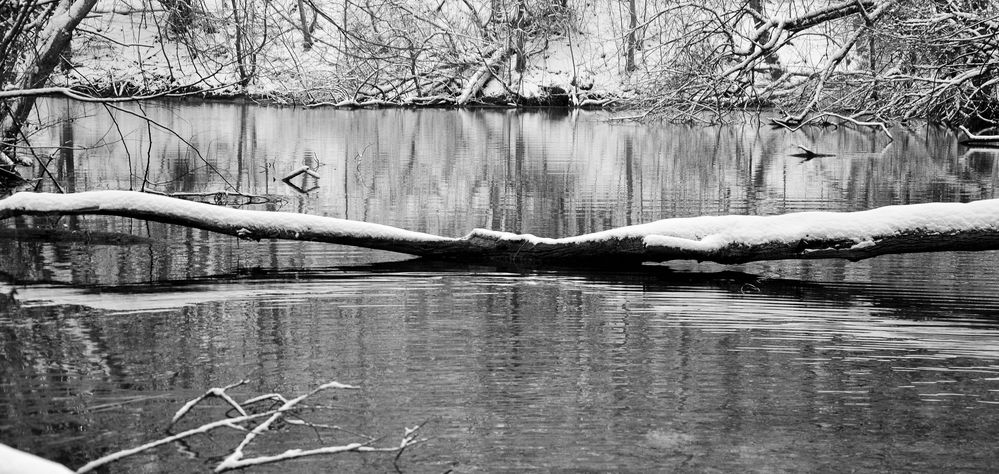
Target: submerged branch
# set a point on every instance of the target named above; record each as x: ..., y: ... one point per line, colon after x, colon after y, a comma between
x: 974, y: 137
x: 929, y: 227
x: 236, y: 458
x: 796, y: 123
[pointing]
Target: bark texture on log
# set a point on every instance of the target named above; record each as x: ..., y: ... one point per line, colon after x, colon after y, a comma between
x: 858, y: 235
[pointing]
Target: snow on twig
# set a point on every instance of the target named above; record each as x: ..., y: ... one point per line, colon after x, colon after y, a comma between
x: 236, y: 459
x: 212, y: 392
x: 789, y: 123
x: 205, y: 428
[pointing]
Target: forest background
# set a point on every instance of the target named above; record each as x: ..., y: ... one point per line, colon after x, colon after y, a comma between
x: 871, y: 63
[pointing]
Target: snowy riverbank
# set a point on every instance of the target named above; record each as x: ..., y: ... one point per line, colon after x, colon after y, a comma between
x: 130, y: 48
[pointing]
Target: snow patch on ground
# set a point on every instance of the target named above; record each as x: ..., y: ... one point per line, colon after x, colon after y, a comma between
x: 564, y: 67
x: 123, y: 45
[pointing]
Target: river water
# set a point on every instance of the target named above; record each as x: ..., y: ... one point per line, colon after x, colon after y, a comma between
x: 886, y: 364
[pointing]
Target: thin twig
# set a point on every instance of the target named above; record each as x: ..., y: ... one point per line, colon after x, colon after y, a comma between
x: 229, y: 423
x: 186, y: 142
x: 212, y: 392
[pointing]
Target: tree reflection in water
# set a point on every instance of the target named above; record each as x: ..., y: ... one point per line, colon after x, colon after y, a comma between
x: 795, y: 366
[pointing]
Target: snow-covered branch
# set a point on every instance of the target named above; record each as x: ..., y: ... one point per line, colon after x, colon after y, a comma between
x: 74, y: 94
x: 725, y: 239
x: 244, y: 422
x: 796, y: 123
x: 978, y: 137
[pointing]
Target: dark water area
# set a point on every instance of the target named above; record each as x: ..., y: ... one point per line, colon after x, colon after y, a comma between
x: 889, y: 364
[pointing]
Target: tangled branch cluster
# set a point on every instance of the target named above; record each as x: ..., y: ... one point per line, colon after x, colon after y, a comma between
x: 892, y: 61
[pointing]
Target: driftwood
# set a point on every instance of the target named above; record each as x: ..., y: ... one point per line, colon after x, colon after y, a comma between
x: 725, y: 239
x: 808, y: 154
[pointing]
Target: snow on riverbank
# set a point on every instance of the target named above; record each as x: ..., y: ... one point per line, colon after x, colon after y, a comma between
x: 127, y: 48
x: 576, y: 53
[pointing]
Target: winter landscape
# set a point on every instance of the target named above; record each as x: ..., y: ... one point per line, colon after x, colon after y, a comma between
x: 499, y: 236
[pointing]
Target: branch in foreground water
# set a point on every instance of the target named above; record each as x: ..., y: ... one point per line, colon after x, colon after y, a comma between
x: 285, y: 411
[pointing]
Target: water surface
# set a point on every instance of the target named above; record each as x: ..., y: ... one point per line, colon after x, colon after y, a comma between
x: 885, y: 364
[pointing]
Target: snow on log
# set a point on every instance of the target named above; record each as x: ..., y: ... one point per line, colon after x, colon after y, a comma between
x: 247, y: 224
x: 725, y: 239
x: 482, y: 75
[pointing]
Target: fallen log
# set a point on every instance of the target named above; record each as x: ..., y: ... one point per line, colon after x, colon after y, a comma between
x: 932, y: 227
x: 481, y: 76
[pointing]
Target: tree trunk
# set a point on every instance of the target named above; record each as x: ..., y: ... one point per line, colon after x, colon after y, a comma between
x: 725, y: 239
x: 519, y: 38
x: 244, y: 78
x: 52, y: 43
x: 306, y: 30
x: 632, y: 38
x: 770, y: 59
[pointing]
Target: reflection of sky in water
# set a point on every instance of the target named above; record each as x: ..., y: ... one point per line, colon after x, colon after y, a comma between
x: 546, y: 173
x: 889, y: 363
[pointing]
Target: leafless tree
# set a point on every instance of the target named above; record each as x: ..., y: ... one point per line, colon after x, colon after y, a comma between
x: 892, y: 60
x: 37, y: 37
